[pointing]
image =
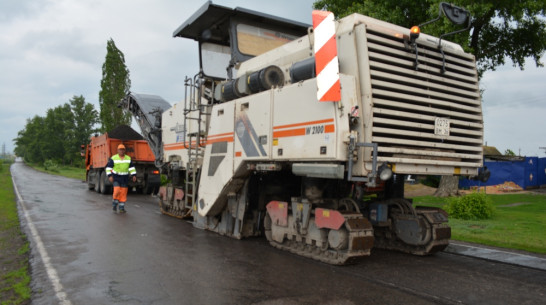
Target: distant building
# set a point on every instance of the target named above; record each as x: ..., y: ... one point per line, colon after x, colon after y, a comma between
x: 491, y: 153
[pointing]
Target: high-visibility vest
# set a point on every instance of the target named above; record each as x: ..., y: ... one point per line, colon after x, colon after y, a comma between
x: 121, y: 167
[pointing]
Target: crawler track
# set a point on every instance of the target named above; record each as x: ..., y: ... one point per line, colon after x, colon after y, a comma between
x: 440, y: 233
x: 174, y: 211
x: 361, y: 241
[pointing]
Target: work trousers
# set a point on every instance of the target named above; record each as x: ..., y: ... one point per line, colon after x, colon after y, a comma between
x: 120, y: 192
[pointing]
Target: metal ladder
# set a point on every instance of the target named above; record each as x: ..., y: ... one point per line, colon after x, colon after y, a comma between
x: 194, y: 142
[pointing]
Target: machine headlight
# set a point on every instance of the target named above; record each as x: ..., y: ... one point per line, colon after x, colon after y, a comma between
x: 385, y: 172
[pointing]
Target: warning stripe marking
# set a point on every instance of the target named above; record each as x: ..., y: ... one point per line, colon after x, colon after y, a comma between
x: 326, y: 60
x: 300, y: 132
x: 323, y: 57
x: 290, y: 131
x: 328, y: 85
x: 223, y: 137
x: 322, y: 23
x: 303, y: 124
x: 220, y: 135
x: 226, y: 139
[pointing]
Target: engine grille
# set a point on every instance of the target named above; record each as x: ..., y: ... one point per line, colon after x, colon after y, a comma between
x: 406, y: 103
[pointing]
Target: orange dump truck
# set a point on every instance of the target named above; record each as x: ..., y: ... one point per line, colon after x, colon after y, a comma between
x: 102, y: 147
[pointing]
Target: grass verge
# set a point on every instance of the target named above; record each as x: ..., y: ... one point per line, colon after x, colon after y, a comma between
x: 14, y: 247
x: 65, y: 171
x: 519, y: 222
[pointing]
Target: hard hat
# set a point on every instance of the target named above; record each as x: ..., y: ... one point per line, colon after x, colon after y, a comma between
x: 121, y: 146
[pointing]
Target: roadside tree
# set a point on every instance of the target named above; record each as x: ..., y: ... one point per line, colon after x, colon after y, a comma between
x: 115, y: 85
x: 58, y: 135
x: 85, y: 119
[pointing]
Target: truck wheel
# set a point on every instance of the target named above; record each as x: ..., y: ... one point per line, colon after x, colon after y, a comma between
x: 105, y: 186
x: 97, y: 181
x: 90, y: 185
x: 148, y: 188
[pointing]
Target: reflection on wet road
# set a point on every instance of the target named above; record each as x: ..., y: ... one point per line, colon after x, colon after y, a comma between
x: 144, y: 257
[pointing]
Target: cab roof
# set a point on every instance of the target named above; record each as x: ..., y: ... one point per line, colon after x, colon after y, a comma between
x: 216, y: 18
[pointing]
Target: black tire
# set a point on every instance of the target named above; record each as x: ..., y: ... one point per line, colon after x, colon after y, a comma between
x: 97, y: 181
x: 148, y: 188
x: 105, y: 186
x: 90, y: 185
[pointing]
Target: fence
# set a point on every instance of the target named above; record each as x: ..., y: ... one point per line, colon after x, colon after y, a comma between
x: 529, y: 173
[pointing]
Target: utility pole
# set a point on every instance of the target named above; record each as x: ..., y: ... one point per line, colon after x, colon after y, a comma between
x: 3, y: 150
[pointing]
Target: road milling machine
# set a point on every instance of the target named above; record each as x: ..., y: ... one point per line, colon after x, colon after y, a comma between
x: 304, y: 133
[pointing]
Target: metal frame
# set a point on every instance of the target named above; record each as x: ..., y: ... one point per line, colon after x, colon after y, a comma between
x: 353, y: 145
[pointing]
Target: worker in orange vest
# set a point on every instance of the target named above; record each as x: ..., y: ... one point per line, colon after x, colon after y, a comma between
x: 119, y: 168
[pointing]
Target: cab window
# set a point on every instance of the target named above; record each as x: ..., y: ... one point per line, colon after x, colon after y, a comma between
x: 253, y: 41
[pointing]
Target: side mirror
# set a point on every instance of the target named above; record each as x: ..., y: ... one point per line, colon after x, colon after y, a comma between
x: 82, y: 150
x: 454, y: 13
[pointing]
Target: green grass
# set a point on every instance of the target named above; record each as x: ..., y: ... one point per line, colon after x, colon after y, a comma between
x: 520, y: 226
x: 14, y: 248
x: 18, y: 282
x: 63, y: 170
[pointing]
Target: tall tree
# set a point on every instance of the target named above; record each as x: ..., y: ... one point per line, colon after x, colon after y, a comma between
x: 59, y: 129
x: 115, y: 85
x: 58, y: 135
x: 499, y: 30
x: 85, y: 118
x: 31, y: 139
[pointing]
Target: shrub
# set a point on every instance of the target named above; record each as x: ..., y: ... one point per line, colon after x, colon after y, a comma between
x: 50, y: 165
x: 164, y: 179
x: 472, y: 206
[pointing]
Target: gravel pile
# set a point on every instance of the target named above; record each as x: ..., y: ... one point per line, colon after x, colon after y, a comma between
x: 125, y: 133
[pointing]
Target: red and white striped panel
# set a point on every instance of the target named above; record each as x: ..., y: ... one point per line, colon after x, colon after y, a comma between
x: 326, y: 62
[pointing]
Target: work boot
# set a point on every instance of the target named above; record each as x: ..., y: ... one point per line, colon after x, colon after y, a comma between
x: 115, y: 205
x: 122, y: 207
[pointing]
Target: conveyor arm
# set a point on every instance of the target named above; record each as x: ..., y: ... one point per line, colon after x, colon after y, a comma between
x: 147, y: 110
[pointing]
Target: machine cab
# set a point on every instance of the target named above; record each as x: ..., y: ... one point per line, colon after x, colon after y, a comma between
x: 228, y: 36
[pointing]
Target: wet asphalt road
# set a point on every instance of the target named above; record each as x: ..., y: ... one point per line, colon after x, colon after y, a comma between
x: 144, y: 257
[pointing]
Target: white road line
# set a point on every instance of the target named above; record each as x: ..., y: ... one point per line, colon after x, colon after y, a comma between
x: 51, y: 272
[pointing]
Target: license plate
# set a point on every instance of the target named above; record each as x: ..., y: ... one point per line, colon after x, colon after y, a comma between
x: 441, y: 127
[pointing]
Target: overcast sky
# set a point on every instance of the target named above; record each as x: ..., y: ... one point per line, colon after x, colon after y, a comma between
x: 51, y: 50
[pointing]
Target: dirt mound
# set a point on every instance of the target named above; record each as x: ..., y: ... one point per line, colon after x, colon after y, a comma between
x: 125, y: 133
x: 506, y: 187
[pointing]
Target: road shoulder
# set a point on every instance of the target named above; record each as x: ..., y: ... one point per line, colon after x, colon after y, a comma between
x: 507, y: 256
